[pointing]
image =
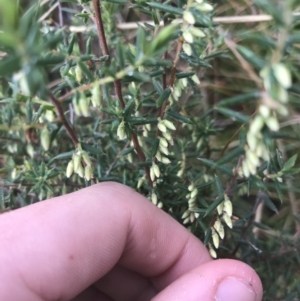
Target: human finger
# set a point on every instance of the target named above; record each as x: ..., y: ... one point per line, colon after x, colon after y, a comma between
x: 55, y: 249
x: 219, y: 280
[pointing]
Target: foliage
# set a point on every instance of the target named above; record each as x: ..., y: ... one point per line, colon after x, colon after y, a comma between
x: 196, y: 112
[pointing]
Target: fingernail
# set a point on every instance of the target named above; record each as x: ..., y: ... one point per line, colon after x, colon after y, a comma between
x: 233, y: 289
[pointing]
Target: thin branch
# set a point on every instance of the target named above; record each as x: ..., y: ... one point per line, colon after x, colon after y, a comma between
x: 61, y: 114
x: 100, y: 28
x: 117, y: 83
x: 245, y: 65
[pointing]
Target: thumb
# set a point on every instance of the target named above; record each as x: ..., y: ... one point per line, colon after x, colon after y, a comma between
x: 219, y: 280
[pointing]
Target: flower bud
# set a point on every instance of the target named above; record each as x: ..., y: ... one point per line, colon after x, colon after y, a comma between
x: 184, y: 82
x: 88, y: 172
x: 156, y: 170
x: 160, y: 205
x: 272, y: 123
x: 252, y: 140
x: 121, y: 133
x: 256, y: 125
x: 221, y: 232
x: 252, y: 157
x: 170, y: 125
x: 163, y: 142
x: 30, y: 150
x: 187, y: 220
x: 164, y: 150
x: 80, y: 171
x: 165, y: 160
x: 187, y: 49
x: 154, y: 198
x: 212, y: 252
x: 227, y: 220
x: 96, y: 96
x: 161, y: 126
x: 70, y: 169
x: 78, y: 73
x: 84, y: 105
x: 205, y: 7
x: 220, y: 208
x: 264, y: 111
x: 283, y: 75
x: 185, y: 214
x: 77, y: 161
x: 152, y: 174
x: 188, y: 17
x: 86, y: 158
x: 217, y: 225
x: 195, y: 79
x: 227, y: 206
x: 76, y: 106
x: 215, y: 238
x: 188, y: 37
x: 197, y: 32
x: 194, y: 193
x: 140, y: 182
x: 45, y: 139
x: 158, y: 156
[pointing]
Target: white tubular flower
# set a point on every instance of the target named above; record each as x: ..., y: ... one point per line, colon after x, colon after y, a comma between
x: 96, y: 96
x: 220, y: 208
x: 160, y: 205
x: 197, y: 32
x: 80, y: 171
x: 170, y: 125
x: 188, y: 37
x: 88, y: 172
x: 264, y: 111
x: 154, y: 198
x: 158, y: 156
x: 165, y: 160
x: 215, y: 238
x: 194, y: 193
x: 227, y: 206
x: 217, y: 225
x: 121, y: 133
x: 221, y: 232
x: 70, y: 169
x: 163, y: 142
x: 188, y: 17
x: 191, y: 187
x: 205, y: 7
x: 156, y: 170
x: 77, y: 161
x: 212, y: 252
x: 86, y: 158
x: 272, y: 123
x: 185, y: 214
x: 256, y: 125
x: 45, y: 139
x: 283, y: 75
x: 163, y: 149
x: 252, y: 157
x: 187, y: 49
x: 227, y: 220
x: 161, y: 126
x: 152, y: 174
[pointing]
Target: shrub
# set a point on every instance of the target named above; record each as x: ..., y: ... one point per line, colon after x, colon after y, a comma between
x: 199, y: 117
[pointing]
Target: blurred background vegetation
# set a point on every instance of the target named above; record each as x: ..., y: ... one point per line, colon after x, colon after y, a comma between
x: 193, y: 104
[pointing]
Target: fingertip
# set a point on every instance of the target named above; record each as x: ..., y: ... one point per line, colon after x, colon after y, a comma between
x: 219, y: 280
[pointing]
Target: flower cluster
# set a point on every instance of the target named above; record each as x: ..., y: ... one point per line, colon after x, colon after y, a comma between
x: 277, y: 79
x: 75, y: 165
x: 189, y: 31
x: 224, y: 211
x: 189, y: 215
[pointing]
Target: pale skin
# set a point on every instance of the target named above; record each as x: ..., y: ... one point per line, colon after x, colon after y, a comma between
x: 109, y: 243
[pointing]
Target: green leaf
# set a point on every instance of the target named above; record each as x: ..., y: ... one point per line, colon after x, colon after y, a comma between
x: 235, y: 153
x: 289, y: 163
x: 163, y: 97
x: 127, y: 151
x: 214, y: 205
x: 178, y: 117
x: 219, y: 185
x: 242, y: 98
x: 166, y: 8
x: 251, y: 57
x: 268, y: 202
x: 161, y: 42
x: 234, y: 115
